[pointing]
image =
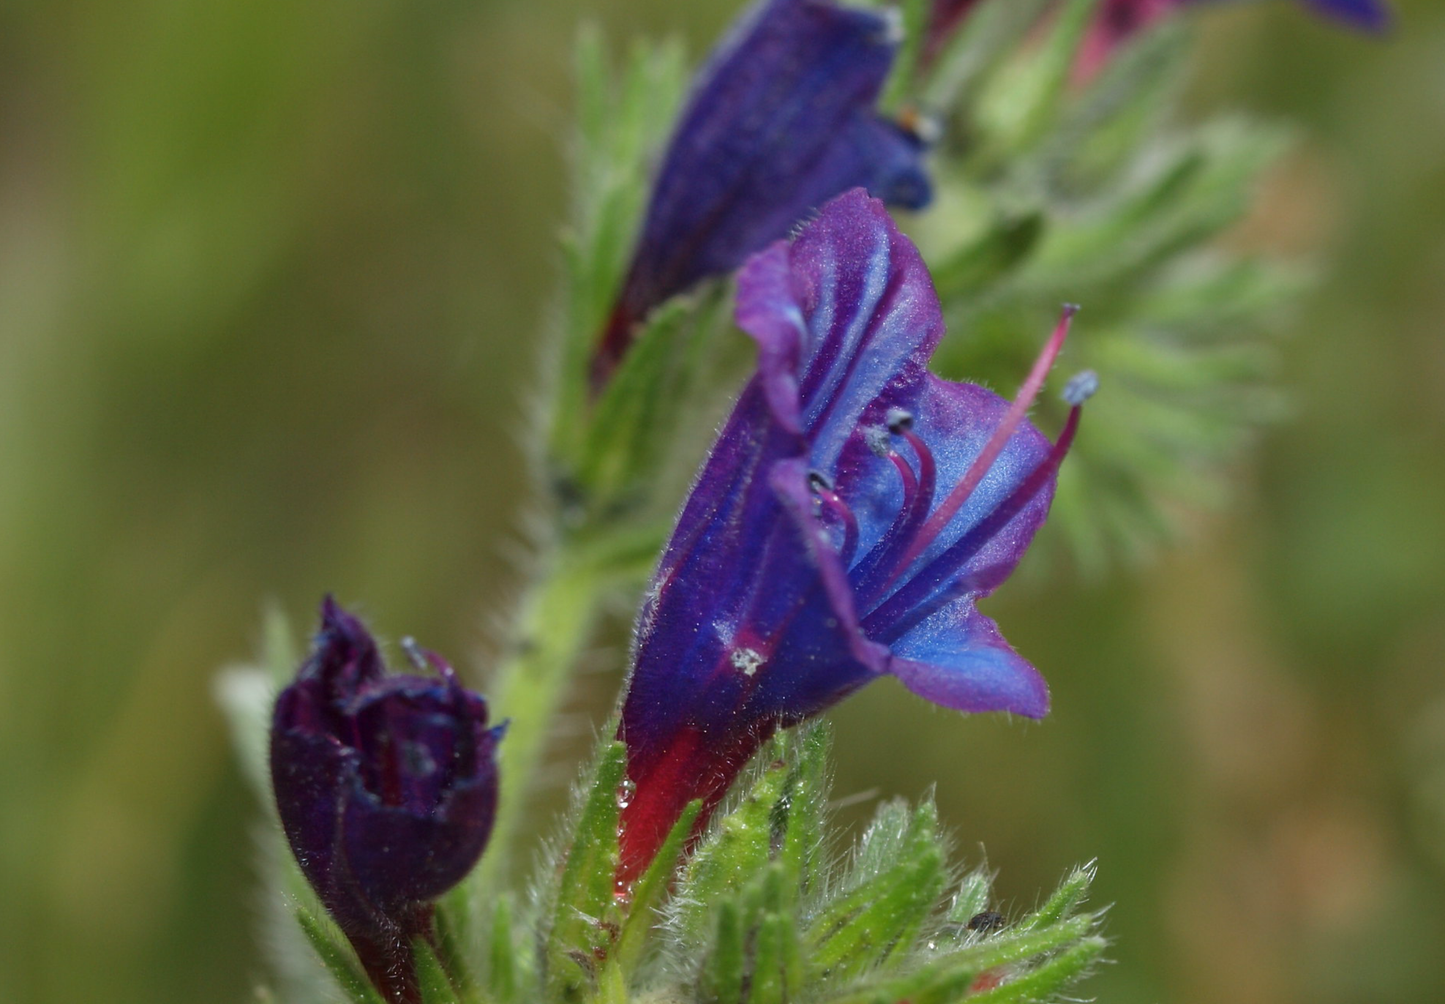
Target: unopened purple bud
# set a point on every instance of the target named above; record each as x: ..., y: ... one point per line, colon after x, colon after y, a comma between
x: 386, y: 786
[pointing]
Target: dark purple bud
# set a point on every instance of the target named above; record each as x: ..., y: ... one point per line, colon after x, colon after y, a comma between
x: 780, y: 120
x: 853, y: 510
x: 386, y: 786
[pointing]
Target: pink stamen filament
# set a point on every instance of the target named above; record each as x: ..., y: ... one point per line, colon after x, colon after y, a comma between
x: 984, y: 462
x: 910, y: 483
x: 895, y: 611
x: 918, y: 490
x: 927, y: 471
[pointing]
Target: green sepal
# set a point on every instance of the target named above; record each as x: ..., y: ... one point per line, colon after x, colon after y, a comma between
x: 1064, y: 901
x: 1172, y: 327
x: 986, y: 37
x: 1122, y: 111
x: 721, y: 979
x: 769, y: 892
x: 971, y: 898
x: 736, y: 850
x: 650, y: 890
x: 1041, y: 982
x: 639, y: 412
x: 1024, y: 98
x: 338, y: 958
x: 452, y: 940
x: 805, y: 806
x: 902, y: 79
x: 431, y: 977
x: 1001, y: 248
x: 584, y: 911
x: 903, y: 875
x: 950, y: 977
x: 1203, y: 296
x: 777, y: 971
x: 1194, y: 188
x: 623, y: 115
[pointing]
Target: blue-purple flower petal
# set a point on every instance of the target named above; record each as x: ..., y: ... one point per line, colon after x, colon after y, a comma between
x: 957, y: 658
x: 781, y: 120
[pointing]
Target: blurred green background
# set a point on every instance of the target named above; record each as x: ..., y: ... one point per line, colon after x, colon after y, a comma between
x: 271, y: 278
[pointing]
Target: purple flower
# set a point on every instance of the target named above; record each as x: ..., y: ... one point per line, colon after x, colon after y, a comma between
x: 386, y: 787
x: 779, y: 121
x: 1371, y: 15
x: 1116, y: 21
x: 853, y: 510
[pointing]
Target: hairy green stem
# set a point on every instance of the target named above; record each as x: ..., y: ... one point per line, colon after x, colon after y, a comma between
x: 554, y: 623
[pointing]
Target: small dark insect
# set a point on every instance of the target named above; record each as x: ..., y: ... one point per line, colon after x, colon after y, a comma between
x: 986, y: 921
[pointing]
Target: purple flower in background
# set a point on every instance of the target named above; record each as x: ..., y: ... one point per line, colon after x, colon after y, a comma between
x: 853, y: 510
x: 386, y: 786
x: 1116, y: 21
x: 780, y: 120
x: 1371, y: 15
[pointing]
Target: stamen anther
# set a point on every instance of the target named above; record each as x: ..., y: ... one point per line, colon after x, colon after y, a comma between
x: 1081, y: 386
x: 877, y: 439
x: 899, y: 420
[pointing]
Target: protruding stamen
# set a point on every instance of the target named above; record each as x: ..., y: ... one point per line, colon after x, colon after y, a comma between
x: 984, y: 462
x: 907, y: 607
x: 840, y: 511
x: 899, y: 420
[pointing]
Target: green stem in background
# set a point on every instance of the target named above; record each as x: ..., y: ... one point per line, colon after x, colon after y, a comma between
x: 553, y: 625
x: 580, y: 573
